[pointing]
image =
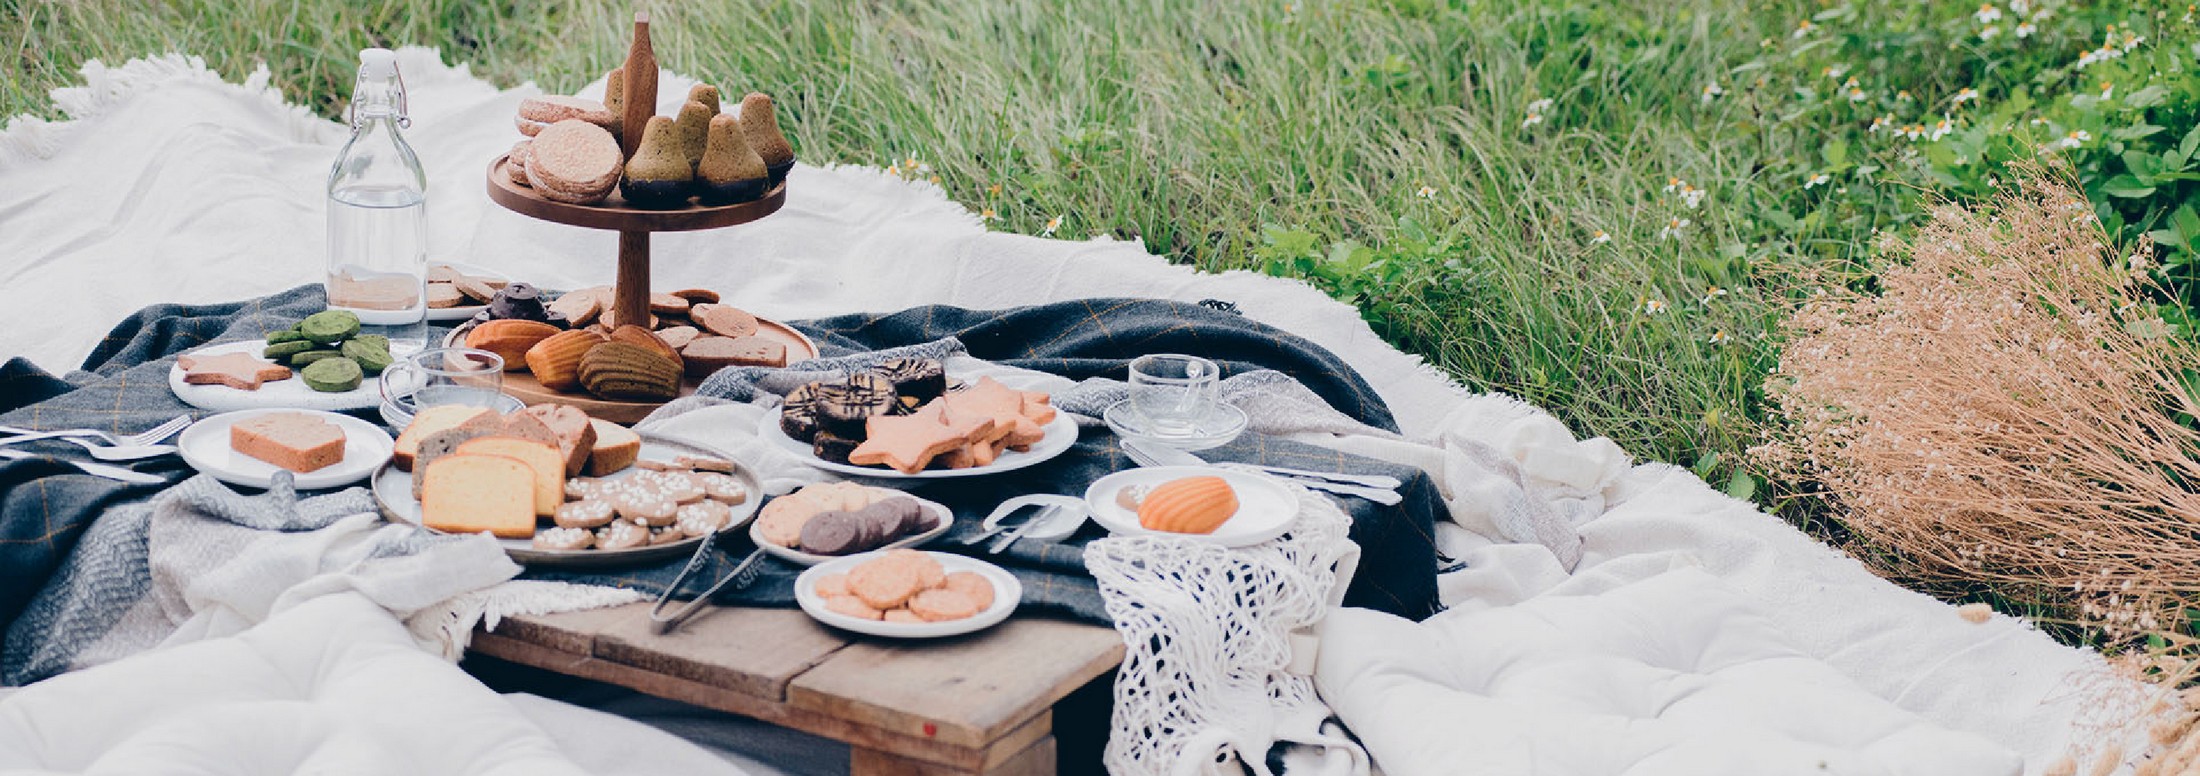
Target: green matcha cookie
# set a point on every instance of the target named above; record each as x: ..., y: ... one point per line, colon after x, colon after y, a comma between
x: 286, y: 335
x: 281, y: 351
x: 331, y: 375
x: 373, y: 356
x: 378, y: 340
x: 310, y: 356
x: 330, y: 326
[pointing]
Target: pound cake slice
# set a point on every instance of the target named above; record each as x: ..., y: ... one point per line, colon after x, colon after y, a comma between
x: 427, y: 423
x: 292, y: 440
x: 547, y: 463
x: 617, y: 447
x: 465, y: 494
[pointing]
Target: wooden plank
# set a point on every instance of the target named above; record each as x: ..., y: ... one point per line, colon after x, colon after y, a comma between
x: 1037, y: 759
x: 856, y: 735
x: 967, y: 692
x: 572, y: 632
x: 750, y: 651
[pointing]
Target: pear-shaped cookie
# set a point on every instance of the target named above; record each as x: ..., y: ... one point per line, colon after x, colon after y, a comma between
x: 762, y: 128
x: 614, y: 92
x: 659, y: 175
x: 692, y: 130
x: 731, y: 171
x: 707, y: 95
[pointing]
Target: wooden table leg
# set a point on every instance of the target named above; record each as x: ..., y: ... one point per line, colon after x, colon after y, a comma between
x: 1037, y: 759
x: 632, y: 303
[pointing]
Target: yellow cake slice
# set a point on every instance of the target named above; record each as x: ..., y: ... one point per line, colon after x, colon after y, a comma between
x: 429, y: 421
x: 543, y: 457
x: 466, y: 494
x: 292, y: 440
x: 616, y: 448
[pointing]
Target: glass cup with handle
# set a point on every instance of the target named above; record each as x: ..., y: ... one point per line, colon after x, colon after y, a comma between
x: 441, y: 376
x: 1172, y: 392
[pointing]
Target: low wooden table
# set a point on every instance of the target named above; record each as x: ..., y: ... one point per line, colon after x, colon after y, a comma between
x: 977, y: 704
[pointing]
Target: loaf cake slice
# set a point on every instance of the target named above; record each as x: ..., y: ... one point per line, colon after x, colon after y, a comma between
x: 548, y: 463
x: 429, y: 421
x: 617, y: 447
x: 576, y: 433
x: 292, y: 440
x: 465, y: 494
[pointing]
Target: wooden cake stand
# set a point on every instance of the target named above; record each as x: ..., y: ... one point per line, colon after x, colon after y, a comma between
x: 634, y: 226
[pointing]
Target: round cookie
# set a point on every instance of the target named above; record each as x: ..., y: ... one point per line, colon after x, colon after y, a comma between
x: 929, y: 572
x: 621, y: 535
x: 901, y: 615
x: 666, y: 535
x: 703, y: 518
x: 835, y: 533
x: 782, y: 518
x: 644, y: 504
x: 724, y: 488
x: 972, y: 584
x: 832, y: 585
x: 580, y: 488
x: 587, y: 513
x: 942, y: 605
x: 883, y: 583
x: 562, y: 538
x: 851, y: 606
x: 678, y: 487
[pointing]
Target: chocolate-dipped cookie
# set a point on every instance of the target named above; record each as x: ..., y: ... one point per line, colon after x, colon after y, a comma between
x: 831, y: 447
x: 844, y: 408
x: 659, y: 175
x: 923, y: 379
x: 799, y: 423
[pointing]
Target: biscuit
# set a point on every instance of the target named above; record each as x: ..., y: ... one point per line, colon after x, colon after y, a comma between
x: 580, y: 307
x: 591, y: 513
x: 929, y: 571
x: 909, y: 442
x: 852, y: 606
x: 703, y: 518
x: 723, y: 488
x: 662, y: 303
x: 782, y: 518
x: 834, y: 532
x: 574, y: 162
x: 563, y: 538
x: 900, y: 615
x: 723, y: 320
x: 972, y: 584
x: 679, y: 487
x: 644, y: 505
x: 696, y: 296
x: 621, y: 535
x: 667, y: 535
x: 679, y: 336
x: 707, y: 355
x: 884, y: 584
x: 942, y: 605
x: 443, y: 296
x: 580, y: 488
x: 703, y: 463
x: 831, y: 585
x: 236, y: 370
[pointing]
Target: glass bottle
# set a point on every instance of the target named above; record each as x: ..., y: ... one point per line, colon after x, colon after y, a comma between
x: 377, y: 213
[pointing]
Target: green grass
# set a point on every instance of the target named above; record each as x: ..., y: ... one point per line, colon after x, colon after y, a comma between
x: 1293, y: 138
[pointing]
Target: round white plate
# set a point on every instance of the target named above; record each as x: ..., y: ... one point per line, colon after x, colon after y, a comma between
x: 1006, y: 593
x: 393, y: 493
x: 939, y: 511
x: 290, y: 392
x: 1265, y: 507
x: 205, y: 445
x: 1061, y: 435
x: 462, y: 312
x: 1220, y: 424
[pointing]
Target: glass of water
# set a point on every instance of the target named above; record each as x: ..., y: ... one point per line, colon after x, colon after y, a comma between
x: 440, y: 376
x: 1173, y: 392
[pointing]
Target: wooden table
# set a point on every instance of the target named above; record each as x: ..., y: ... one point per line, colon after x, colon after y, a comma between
x: 978, y: 704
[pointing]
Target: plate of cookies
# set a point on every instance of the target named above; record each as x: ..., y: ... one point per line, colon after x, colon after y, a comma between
x: 320, y: 362
x: 456, y: 291
x: 824, y: 521
x: 908, y: 594
x: 559, y: 488
x: 900, y: 420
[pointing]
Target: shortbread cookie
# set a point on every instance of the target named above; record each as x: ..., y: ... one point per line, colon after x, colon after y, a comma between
x: 929, y: 571
x: 942, y: 605
x: 883, y: 584
x: 697, y: 296
x: 242, y: 371
x: 575, y: 162
x: 972, y: 584
x: 551, y: 109
x: 782, y: 518
x: 679, y: 336
x: 901, y: 615
x: 703, y: 463
x: 621, y: 535
x: 563, y: 538
x: 591, y: 513
x: 852, y: 606
x: 723, y: 320
x: 831, y: 585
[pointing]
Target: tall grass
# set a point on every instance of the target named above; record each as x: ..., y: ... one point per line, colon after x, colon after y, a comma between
x: 1222, y: 134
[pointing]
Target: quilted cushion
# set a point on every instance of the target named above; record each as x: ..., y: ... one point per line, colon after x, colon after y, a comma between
x: 333, y: 686
x: 1675, y: 675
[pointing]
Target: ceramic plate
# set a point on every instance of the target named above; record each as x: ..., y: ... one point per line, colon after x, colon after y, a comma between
x: 393, y: 493
x: 939, y: 511
x: 462, y: 312
x: 205, y: 445
x: 1061, y: 435
x: 1265, y: 507
x: 1006, y: 592
x: 291, y: 393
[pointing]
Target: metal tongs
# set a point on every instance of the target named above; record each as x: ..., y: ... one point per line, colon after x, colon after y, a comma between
x: 743, y: 574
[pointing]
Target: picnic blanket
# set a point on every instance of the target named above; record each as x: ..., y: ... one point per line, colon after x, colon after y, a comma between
x: 105, y: 196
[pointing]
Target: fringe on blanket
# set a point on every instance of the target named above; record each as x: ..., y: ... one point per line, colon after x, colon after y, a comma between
x: 448, y: 627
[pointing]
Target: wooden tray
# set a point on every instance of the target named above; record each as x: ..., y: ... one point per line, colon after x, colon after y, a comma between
x: 522, y: 385
x: 614, y: 213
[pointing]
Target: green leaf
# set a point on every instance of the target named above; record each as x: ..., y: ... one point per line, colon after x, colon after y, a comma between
x: 1837, y: 152
x: 1707, y: 464
x: 2127, y: 187
x: 2148, y: 97
x: 1741, y: 485
x: 2187, y: 222
x: 2133, y: 132
x: 2191, y: 144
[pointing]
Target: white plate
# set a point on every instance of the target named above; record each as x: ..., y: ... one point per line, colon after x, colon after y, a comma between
x: 393, y: 494
x: 290, y: 392
x: 1061, y: 435
x: 1006, y: 593
x: 205, y: 445
x: 939, y: 511
x: 463, y: 312
x: 1265, y: 507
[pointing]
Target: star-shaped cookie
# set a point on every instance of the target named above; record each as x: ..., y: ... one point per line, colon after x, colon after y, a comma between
x: 240, y: 370
x: 909, y: 442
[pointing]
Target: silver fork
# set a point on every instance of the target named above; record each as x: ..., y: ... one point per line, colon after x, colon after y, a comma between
x: 1386, y: 497
x: 125, y: 448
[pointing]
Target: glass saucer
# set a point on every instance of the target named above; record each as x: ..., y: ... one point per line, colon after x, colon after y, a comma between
x: 1222, y: 423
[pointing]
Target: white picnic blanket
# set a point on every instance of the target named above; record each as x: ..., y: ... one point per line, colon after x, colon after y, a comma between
x: 169, y: 185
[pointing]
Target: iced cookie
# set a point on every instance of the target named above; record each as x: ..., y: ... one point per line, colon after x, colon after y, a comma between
x: 590, y: 513
x: 562, y: 538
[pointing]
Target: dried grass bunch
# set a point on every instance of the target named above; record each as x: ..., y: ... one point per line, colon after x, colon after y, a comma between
x: 2003, y: 416
x: 2004, y: 412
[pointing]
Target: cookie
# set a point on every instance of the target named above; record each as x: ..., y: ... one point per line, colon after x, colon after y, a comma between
x: 621, y: 535
x: 703, y: 518
x: 643, y: 504
x: 667, y: 535
x: 551, y: 109
x: 580, y: 308
x: 782, y: 518
x: 929, y: 571
x: 696, y: 296
x: 923, y: 379
x: 662, y: 303
x: 704, y: 463
x: 236, y: 370
x: 723, y: 320
x: 679, y: 336
x: 800, y: 424
x: 844, y: 408
x: 563, y: 538
x: 706, y: 355
x: 591, y: 513
x: 443, y: 295
x: 901, y: 615
x: 580, y: 488
x: 574, y: 162
x: 474, y: 289
x: 973, y: 585
x: 907, y: 443
x: 942, y: 605
x: 680, y: 487
x: 329, y: 327
x: 722, y: 488
x: 515, y: 168
x: 332, y: 375
x: 907, y: 514
x: 844, y: 496
x: 833, y: 532
x: 883, y: 583
x: 1005, y: 405
x: 852, y: 606
x: 831, y: 447
x: 831, y: 585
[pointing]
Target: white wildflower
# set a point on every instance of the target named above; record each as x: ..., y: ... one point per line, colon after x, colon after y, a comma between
x: 1987, y: 14
x: 1816, y: 181
x: 1672, y: 230
x: 1711, y: 91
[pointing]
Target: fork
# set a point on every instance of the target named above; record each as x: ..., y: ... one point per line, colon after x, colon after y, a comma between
x: 1143, y: 457
x: 139, y: 445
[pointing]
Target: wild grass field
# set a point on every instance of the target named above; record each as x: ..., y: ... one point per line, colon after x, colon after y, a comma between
x: 1602, y: 208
